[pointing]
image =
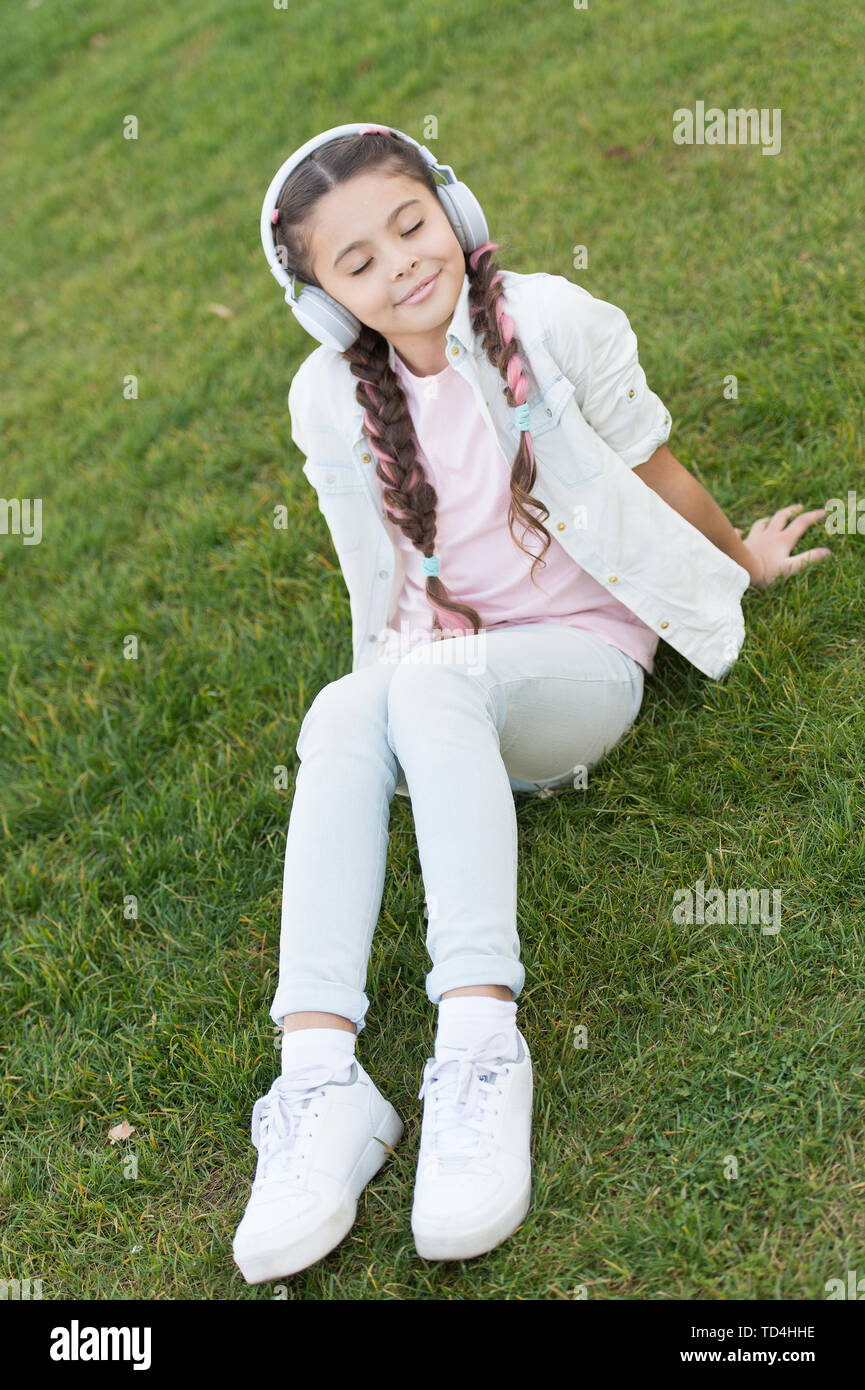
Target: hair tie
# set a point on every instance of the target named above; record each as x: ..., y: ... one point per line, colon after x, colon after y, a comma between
x: 522, y: 414
x: 274, y: 216
x: 430, y: 564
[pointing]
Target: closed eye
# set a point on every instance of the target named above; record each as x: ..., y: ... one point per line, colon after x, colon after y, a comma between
x: 408, y: 233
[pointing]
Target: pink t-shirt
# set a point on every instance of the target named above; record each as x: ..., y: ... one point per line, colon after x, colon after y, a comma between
x: 480, y: 563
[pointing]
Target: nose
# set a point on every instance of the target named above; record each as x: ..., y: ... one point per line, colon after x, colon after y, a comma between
x: 405, y: 258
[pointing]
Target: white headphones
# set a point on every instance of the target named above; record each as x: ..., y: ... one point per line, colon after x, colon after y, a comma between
x: 318, y: 312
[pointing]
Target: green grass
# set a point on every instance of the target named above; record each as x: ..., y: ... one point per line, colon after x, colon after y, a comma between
x: 154, y: 777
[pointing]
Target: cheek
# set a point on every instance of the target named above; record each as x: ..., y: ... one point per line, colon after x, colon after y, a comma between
x: 442, y: 234
x: 456, y: 256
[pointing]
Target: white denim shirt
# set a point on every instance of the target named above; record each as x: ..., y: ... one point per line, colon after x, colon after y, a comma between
x: 593, y: 419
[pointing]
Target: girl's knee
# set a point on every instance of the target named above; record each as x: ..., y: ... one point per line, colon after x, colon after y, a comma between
x: 330, y: 705
x: 340, y: 706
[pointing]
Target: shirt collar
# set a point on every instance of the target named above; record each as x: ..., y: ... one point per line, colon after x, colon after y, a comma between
x: 459, y: 333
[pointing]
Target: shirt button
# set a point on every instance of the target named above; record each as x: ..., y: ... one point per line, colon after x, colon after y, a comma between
x: 665, y: 623
x: 614, y: 579
x: 455, y: 351
x: 366, y: 457
x: 560, y: 526
x: 329, y: 478
x: 549, y: 412
x: 631, y: 392
x: 666, y: 419
x: 372, y: 637
x: 383, y: 574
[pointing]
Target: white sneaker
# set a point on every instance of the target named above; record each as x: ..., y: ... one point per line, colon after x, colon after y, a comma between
x: 320, y: 1139
x: 474, y: 1174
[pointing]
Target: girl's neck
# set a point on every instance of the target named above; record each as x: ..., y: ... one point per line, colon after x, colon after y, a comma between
x: 420, y: 375
x: 424, y: 360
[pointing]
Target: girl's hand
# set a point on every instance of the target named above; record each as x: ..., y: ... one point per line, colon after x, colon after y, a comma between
x: 772, y: 543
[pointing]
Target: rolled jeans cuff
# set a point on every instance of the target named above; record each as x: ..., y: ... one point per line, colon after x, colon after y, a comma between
x: 320, y: 996
x: 457, y: 972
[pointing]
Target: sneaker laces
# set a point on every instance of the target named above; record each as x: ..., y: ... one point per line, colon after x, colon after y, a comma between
x: 459, y: 1089
x: 277, y: 1117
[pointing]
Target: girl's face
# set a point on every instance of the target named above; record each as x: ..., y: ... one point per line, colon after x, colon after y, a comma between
x: 373, y: 240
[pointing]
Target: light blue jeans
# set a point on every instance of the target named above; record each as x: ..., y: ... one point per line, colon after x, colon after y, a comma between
x: 458, y: 725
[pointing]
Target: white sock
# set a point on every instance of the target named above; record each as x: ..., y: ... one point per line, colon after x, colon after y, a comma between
x: 465, y: 1019
x: 302, y: 1046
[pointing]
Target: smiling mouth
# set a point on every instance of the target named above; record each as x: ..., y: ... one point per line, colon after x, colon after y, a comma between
x: 424, y: 285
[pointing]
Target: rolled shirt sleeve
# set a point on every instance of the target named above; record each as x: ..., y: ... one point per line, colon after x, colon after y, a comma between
x: 596, y: 348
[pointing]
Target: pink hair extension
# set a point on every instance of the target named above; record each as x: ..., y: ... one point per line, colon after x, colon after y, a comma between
x: 453, y: 622
x: 517, y: 379
x: 383, y: 458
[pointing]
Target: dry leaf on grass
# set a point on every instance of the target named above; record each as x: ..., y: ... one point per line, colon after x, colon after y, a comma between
x: 121, y: 1131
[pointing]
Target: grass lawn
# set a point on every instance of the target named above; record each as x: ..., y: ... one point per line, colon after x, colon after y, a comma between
x: 141, y: 834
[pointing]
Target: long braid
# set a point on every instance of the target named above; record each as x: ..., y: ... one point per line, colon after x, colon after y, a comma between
x: 488, y: 311
x: 410, y: 499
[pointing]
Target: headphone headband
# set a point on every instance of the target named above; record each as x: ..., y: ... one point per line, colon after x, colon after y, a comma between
x: 319, y: 313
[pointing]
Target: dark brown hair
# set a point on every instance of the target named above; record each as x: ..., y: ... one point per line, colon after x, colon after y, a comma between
x: 387, y: 419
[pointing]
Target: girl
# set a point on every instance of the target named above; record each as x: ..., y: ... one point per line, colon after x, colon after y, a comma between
x: 438, y: 378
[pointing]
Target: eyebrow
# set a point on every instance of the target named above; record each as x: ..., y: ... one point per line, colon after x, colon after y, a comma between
x: 363, y: 241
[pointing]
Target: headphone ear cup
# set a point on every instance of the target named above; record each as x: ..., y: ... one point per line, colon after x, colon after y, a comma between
x: 324, y: 317
x: 466, y: 215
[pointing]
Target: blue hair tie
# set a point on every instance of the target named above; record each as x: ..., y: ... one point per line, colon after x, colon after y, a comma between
x: 430, y: 564
x: 522, y: 413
